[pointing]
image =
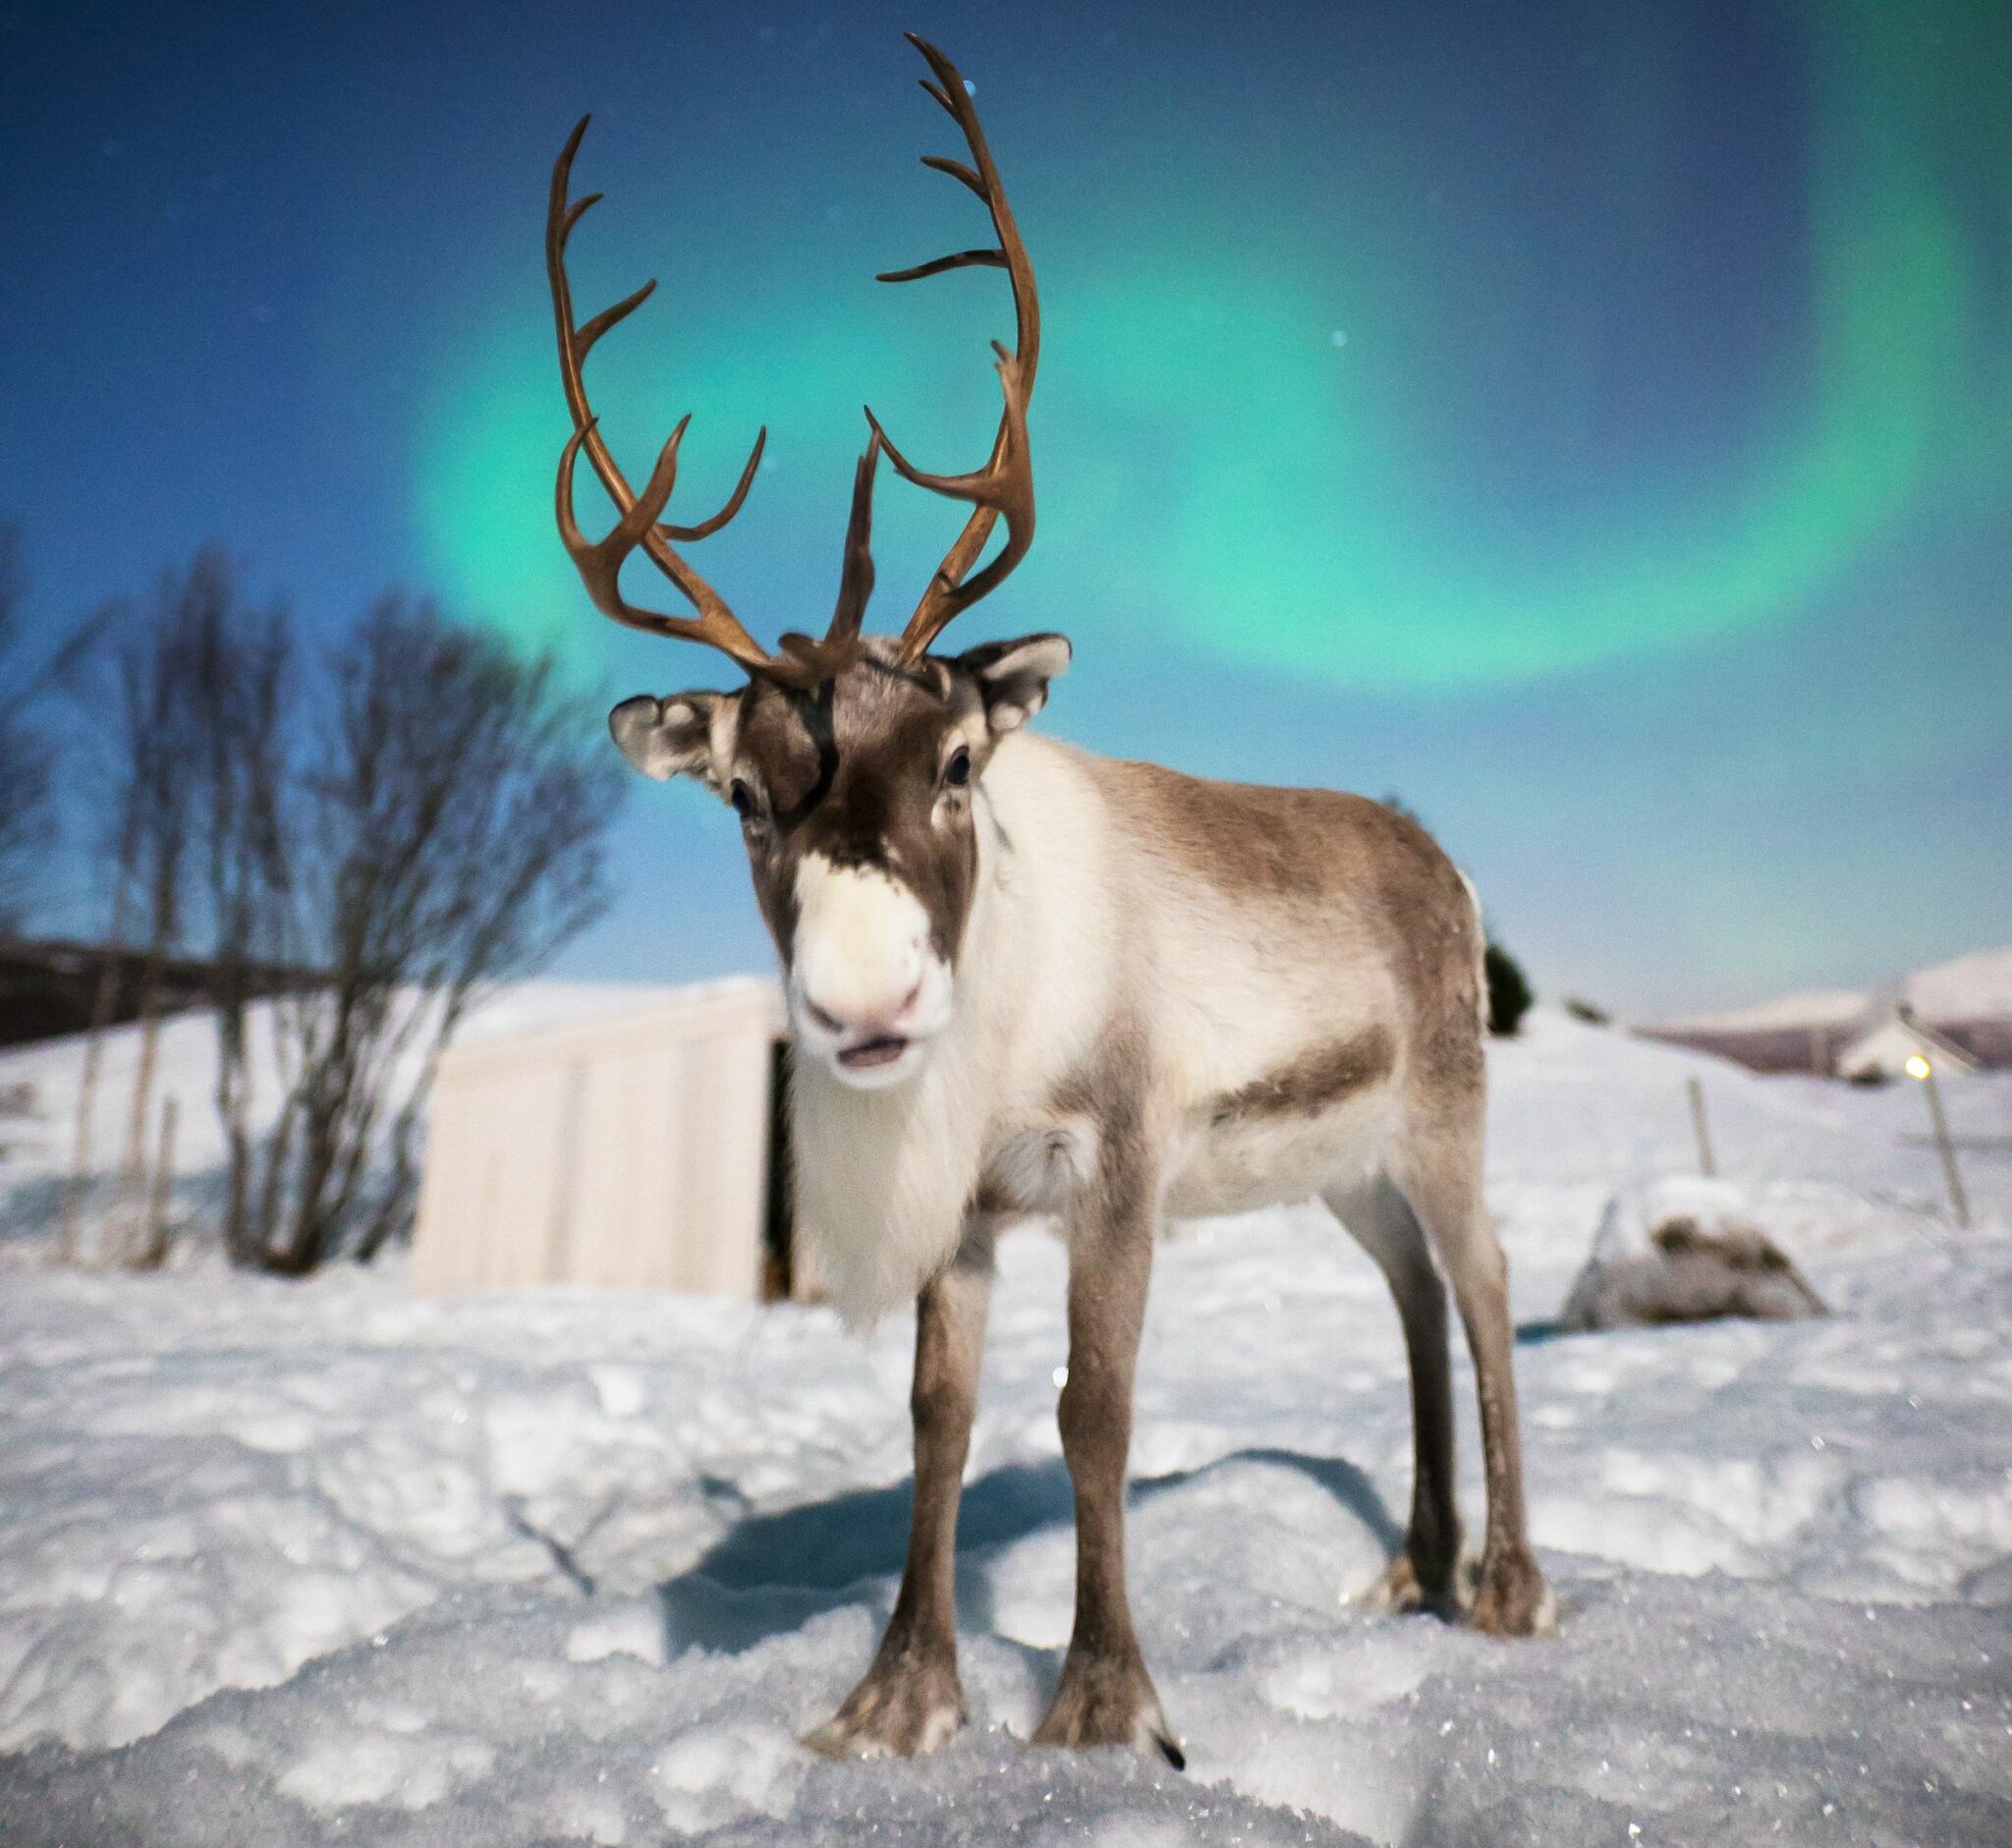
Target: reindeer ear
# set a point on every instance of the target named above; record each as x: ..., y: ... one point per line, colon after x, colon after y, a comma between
x: 1012, y: 676
x: 671, y: 737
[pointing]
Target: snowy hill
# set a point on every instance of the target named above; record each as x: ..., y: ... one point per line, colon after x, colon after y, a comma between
x: 1978, y: 986
x: 1967, y: 1000
x: 1813, y: 1007
x: 1973, y: 988
x: 307, y: 1563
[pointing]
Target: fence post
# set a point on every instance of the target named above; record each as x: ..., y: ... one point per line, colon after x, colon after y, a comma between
x: 1946, y: 1149
x: 154, y: 1247
x: 1706, y: 1165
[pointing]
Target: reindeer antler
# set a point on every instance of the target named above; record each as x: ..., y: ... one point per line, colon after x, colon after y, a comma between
x: 599, y: 561
x: 1004, y: 486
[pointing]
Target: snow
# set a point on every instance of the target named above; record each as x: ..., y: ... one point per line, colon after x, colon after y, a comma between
x: 300, y: 1563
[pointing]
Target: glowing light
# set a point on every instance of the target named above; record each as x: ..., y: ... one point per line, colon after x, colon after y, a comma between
x: 1916, y: 1066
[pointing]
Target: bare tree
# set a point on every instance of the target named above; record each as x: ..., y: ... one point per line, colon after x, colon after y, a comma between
x: 448, y: 835
x: 24, y: 767
x: 369, y: 847
x: 27, y: 756
x: 125, y: 855
x: 26, y: 749
x: 160, y: 740
x: 195, y: 781
x: 154, y: 763
x: 242, y: 696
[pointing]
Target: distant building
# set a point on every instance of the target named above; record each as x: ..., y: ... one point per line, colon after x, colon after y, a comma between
x: 1882, y: 1051
x: 1963, y: 1006
x: 643, y: 1151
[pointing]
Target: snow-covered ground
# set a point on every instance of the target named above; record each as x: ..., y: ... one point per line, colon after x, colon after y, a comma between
x: 326, y: 1563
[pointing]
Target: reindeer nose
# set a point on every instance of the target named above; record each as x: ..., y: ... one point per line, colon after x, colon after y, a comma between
x: 878, y: 1021
x: 850, y: 987
x: 861, y: 951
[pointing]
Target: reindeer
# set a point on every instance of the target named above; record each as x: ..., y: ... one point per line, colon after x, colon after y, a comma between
x: 1023, y: 979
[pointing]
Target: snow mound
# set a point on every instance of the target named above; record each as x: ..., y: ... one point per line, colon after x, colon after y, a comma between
x: 1683, y: 1248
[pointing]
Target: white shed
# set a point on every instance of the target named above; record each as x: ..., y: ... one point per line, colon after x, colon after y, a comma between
x: 635, y: 1152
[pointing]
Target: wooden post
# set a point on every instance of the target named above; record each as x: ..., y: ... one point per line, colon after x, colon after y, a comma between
x: 153, y: 1247
x: 1706, y: 1165
x: 103, y: 1005
x: 1947, y: 1149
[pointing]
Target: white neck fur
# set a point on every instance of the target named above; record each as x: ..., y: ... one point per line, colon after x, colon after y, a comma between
x: 882, y: 1176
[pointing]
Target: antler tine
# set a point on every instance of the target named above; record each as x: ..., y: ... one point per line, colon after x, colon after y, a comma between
x: 856, y: 580
x: 1004, y: 486
x: 639, y: 516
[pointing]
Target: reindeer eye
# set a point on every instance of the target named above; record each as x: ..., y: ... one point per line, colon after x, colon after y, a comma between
x: 743, y: 799
x: 956, y: 772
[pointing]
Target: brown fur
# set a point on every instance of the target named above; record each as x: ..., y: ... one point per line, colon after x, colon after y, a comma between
x: 1306, y: 866
x: 1106, y: 1696
x: 852, y: 770
x: 1357, y: 951
x: 1314, y: 1082
x: 912, y: 1697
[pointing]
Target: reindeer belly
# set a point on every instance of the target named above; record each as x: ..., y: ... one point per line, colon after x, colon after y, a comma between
x: 1322, y: 1118
x: 1242, y: 1163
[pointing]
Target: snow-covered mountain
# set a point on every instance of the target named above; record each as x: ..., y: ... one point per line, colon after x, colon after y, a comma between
x: 1967, y: 999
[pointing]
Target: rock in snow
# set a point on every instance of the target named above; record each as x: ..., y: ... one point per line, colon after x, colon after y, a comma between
x: 288, y: 1564
x: 1683, y: 1248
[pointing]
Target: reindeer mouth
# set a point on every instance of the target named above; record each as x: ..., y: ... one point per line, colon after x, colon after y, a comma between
x: 881, y: 1050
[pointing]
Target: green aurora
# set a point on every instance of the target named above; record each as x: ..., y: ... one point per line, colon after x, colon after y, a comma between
x: 1315, y: 497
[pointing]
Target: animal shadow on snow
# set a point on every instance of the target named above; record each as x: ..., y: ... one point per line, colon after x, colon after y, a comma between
x: 772, y: 1573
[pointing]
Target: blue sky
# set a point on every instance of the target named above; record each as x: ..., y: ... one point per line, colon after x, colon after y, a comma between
x: 1593, y: 423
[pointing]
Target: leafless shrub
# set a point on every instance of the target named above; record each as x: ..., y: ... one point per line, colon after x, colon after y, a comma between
x: 371, y: 841
x: 27, y: 748
x: 240, y: 686
x: 447, y: 835
x: 148, y: 752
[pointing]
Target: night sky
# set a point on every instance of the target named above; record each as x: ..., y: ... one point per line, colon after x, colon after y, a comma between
x: 1591, y: 422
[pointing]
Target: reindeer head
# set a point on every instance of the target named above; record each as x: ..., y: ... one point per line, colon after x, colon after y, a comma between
x: 853, y: 761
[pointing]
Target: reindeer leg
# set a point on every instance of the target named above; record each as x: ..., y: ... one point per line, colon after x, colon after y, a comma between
x: 1105, y: 1697
x: 1422, y: 1577
x: 910, y: 1700
x: 1439, y: 1173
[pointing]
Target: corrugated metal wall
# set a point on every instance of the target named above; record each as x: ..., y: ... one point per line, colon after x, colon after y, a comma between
x: 630, y: 1153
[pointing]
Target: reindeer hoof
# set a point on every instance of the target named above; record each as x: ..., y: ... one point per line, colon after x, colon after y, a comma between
x: 1108, y: 1700
x: 1398, y: 1592
x: 898, y: 1712
x: 1513, y: 1599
